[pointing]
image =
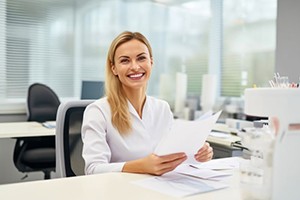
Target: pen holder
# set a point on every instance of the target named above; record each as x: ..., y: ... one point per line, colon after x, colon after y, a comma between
x: 256, y: 173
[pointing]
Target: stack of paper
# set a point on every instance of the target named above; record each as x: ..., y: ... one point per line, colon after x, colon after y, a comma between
x: 178, y: 185
x: 188, y: 179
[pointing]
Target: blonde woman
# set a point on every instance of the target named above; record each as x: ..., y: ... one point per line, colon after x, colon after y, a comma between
x: 121, y: 130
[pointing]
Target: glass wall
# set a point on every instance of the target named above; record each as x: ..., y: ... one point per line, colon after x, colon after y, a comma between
x: 62, y: 42
x: 249, y: 39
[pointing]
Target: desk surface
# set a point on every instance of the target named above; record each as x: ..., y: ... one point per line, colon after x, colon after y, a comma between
x: 24, y: 129
x: 112, y: 186
x: 32, y: 129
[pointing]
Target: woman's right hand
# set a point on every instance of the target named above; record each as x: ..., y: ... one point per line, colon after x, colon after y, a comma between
x: 155, y: 165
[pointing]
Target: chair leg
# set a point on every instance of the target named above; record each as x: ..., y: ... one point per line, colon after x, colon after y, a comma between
x: 47, y: 174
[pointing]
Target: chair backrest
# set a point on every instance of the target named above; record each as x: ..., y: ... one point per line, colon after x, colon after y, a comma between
x: 69, y: 161
x: 42, y: 103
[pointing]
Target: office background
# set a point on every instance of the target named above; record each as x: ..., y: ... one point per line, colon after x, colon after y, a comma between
x: 63, y: 42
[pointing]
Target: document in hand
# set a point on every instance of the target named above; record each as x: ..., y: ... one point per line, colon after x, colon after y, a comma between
x: 187, y: 136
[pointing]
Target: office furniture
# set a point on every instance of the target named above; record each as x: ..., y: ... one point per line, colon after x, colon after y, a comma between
x: 69, y: 161
x: 112, y: 186
x: 9, y: 132
x: 38, y: 153
x: 223, y: 151
x: 92, y: 89
x: 225, y: 147
x: 24, y: 129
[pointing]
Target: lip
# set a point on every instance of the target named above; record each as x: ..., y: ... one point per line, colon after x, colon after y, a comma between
x: 136, y: 75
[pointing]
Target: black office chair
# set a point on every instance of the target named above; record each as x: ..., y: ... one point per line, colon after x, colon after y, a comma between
x: 69, y: 161
x: 38, y: 153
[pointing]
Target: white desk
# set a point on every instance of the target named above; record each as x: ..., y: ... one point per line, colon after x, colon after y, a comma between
x: 109, y: 186
x: 24, y: 129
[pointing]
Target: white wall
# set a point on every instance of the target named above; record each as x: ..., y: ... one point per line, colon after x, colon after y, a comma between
x: 288, y: 39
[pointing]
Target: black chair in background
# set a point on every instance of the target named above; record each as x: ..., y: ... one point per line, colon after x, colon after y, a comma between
x: 69, y: 161
x: 38, y: 153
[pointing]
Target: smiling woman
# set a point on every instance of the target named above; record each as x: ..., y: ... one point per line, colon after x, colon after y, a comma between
x: 121, y: 131
x: 132, y: 65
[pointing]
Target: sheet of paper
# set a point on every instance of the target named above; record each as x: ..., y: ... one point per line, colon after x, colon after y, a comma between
x: 49, y: 124
x: 187, y: 136
x: 219, y: 164
x: 205, y: 115
x: 178, y: 185
x: 202, y: 173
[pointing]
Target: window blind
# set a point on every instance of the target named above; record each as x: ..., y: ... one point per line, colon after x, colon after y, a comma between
x: 62, y: 42
x: 36, y: 46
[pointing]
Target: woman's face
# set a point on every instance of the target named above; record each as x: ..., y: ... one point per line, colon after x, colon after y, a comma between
x: 132, y: 64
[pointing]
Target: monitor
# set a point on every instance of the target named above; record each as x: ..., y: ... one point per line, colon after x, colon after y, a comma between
x: 92, y: 89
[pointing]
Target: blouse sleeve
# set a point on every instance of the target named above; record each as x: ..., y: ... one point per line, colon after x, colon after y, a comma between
x: 96, y: 151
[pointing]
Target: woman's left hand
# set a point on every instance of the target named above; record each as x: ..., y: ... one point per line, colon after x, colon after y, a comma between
x: 205, y: 153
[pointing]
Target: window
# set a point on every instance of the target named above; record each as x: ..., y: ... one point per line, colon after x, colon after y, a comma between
x: 249, y: 38
x: 62, y: 42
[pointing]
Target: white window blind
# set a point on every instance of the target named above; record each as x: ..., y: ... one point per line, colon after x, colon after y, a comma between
x: 62, y: 42
x: 36, y: 46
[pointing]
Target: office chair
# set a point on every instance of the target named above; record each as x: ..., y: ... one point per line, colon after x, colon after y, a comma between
x: 69, y: 161
x: 38, y: 153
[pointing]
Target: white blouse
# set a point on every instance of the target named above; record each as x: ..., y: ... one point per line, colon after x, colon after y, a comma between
x: 105, y: 150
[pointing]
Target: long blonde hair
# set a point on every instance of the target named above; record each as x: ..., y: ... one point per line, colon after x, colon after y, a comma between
x: 116, y: 96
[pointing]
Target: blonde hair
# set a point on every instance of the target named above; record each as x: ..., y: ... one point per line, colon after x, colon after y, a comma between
x: 116, y: 96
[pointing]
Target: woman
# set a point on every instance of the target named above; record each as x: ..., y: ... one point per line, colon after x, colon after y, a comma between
x: 121, y: 131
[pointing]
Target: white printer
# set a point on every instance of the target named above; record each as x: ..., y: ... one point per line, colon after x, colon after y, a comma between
x: 284, y: 105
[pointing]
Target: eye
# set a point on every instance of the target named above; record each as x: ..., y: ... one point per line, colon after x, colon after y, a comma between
x: 142, y: 58
x: 124, y: 61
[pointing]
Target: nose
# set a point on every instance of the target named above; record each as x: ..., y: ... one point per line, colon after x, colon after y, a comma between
x: 135, y: 66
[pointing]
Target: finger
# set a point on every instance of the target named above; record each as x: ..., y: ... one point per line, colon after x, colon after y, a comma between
x: 203, y: 158
x: 172, y: 157
x: 167, y: 167
x: 204, y: 147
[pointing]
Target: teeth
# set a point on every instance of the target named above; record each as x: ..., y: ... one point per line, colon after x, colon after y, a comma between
x: 135, y: 75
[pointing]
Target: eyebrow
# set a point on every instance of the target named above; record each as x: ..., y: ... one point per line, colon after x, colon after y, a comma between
x: 128, y: 56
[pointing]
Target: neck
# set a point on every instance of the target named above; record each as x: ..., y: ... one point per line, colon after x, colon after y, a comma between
x: 137, y: 99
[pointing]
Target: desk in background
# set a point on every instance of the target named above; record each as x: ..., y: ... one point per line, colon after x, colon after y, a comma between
x: 9, y: 131
x: 24, y: 129
x: 112, y: 186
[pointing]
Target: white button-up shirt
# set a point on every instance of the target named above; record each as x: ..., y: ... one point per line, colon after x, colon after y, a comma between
x: 105, y: 150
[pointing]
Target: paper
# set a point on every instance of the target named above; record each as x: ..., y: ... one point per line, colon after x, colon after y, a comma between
x: 219, y: 135
x: 178, y: 185
x: 49, y: 124
x: 219, y: 164
x: 202, y: 173
x: 186, y: 136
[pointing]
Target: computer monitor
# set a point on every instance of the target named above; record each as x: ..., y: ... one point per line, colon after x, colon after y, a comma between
x: 92, y: 89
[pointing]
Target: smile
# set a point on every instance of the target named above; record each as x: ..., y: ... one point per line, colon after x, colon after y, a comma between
x: 136, y: 75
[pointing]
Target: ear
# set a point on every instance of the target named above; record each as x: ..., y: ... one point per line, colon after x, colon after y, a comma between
x: 113, y: 69
x: 151, y: 61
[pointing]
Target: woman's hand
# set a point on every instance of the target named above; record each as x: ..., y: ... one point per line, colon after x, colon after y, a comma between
x: 205, y: 153
x: 155, y: 165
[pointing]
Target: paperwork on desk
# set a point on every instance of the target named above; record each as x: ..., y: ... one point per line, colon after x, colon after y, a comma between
x: 178, y: 185
x: 187, y: 136
x: 207, y: 174
x: 188, y: 179
x: 219, y: 164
